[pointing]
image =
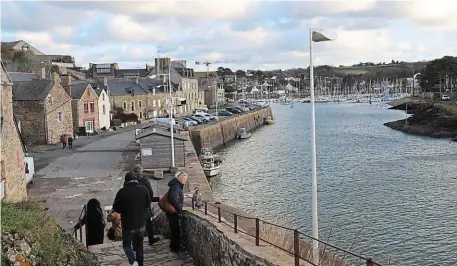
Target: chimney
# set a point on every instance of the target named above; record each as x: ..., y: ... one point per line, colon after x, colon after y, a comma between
x: 90, y: 65
x: 66, y: 84
x: 105, y: 81
x: 55, y: 78
x: 135, y: 80
x: 43, y: 72
x: 116, y: 66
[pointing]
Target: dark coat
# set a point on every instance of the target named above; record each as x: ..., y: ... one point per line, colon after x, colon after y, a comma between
x: 176, y: 194
x: 132, y: 202
x: 95, y: 227
x: 142, y: 180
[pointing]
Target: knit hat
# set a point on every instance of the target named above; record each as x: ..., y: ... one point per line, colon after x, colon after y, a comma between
x: 182, y: 177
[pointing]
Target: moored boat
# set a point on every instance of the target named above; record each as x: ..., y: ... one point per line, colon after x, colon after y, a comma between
x: 210, y: 162
x: 269, y: 120
x: 243, y: 133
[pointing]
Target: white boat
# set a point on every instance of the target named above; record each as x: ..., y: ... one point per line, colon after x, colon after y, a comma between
x: 210, y: 162
x: 243, y: 134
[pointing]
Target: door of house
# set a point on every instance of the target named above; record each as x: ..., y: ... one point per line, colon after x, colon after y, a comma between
x: 89, y: 126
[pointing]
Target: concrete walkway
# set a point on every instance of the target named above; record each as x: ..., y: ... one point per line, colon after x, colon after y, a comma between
x: 112, y: 254
x: 92, y: 171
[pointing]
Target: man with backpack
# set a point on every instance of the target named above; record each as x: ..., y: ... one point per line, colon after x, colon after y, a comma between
x: 132, y: 202
x: 142, y: 180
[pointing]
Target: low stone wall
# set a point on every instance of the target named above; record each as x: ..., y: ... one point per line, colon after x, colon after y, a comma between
x: 225, y: 131
x: 211, y: 243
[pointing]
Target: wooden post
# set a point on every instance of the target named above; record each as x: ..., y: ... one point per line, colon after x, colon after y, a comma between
x: 296, y: 248
x: 235, y: 223
x: 257, y: 231
x: 219, y: 213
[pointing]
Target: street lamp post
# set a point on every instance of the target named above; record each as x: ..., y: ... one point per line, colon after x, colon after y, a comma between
x: 171, y: 117
x: 314, y: 36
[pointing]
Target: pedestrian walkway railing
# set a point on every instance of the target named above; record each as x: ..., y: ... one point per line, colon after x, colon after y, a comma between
x: 78, y: 228
x: 291, y: 241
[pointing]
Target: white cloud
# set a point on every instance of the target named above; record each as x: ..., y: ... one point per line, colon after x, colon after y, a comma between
x: 123, y: 28
x: 44, y: 42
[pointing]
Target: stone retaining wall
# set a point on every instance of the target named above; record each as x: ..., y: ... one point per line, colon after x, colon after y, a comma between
x: 210, y: 243
x: 225, y: 131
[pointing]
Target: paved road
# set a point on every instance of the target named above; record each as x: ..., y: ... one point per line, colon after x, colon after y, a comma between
x: 73, y: 177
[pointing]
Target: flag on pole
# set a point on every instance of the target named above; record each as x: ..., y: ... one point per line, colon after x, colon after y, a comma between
x: 319, y: 37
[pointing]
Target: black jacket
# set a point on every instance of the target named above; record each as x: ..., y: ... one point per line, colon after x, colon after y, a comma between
x: 142, y: 180
x: 132, y: 203
x: 176, y: 194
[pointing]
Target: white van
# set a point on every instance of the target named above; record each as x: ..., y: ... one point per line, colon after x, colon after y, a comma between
x: 29, y: 169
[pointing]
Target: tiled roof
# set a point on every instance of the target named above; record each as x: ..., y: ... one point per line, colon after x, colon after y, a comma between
x: 36, y: 90
x: 142, y: 73
x: 19, y: 76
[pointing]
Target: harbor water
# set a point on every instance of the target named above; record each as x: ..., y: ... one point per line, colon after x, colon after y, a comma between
x: 381, y: 193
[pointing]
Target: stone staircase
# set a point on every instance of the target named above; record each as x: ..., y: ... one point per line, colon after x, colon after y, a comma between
x: 112, y: 254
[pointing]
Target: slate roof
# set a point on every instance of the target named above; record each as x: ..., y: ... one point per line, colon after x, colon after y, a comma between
x: 19, y: 76
x: 160, y: 133
x: 5, y: 74
x: 77, y: 90
x: 125, y: 88
x: 10, y: 45
x: 36, y: 90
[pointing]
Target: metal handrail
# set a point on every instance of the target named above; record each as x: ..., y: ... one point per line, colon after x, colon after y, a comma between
x: 296, y: 248
x: 82, y: 216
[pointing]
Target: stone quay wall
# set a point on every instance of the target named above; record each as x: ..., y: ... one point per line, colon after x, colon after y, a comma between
x: 222, y: 132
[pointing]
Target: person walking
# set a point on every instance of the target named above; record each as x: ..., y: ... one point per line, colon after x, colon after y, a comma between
x: 64, y: 141
x: 94, y: 221
x: 70, y: 142
x: 142, y: 180
x: 176, y: 198
x: 132, y: 203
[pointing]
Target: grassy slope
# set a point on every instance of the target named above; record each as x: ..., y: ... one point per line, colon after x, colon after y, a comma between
x: 47, y: 239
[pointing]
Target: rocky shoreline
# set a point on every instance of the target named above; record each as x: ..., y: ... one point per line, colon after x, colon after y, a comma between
x: 430, y: 119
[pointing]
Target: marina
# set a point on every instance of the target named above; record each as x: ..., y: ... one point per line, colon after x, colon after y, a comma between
x: 389, y: 200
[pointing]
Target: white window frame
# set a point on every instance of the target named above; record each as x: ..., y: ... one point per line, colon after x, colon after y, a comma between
x: 59, y: 117
x: 103, y: 96
x: 153, y: 103
x: 104, y: 109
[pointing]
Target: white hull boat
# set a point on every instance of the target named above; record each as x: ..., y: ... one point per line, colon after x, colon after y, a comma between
x: 243, y: 134
x: 210, y: 162
x: 212, y: 171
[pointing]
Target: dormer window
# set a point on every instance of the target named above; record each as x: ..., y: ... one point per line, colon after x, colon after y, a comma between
x: 25, y: 47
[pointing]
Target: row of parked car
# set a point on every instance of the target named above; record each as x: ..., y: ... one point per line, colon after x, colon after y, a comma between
x: 229, y: 111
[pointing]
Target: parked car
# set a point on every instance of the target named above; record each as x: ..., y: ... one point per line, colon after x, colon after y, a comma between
x: 242, y: 108
x: 195, y: 119
x: 445, y: 98
x: 224, y: 113
x: 233, y: 110
x: 211, y: 117
x: 203, y: 116
x: 199, y: 120
x: 191, y: 121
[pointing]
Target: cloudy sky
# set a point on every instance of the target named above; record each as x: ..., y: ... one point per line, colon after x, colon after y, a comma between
x: 255, y: 34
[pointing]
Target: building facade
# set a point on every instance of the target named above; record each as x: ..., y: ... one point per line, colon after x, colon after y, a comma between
x: 13, y: 184
x: 44, y: 108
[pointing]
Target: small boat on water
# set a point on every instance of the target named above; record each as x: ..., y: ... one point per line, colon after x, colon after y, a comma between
x: 243, y: 134
x: 269, y: 120
x: 210, y: 162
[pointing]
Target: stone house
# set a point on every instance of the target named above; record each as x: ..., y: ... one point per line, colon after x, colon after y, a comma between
x: 186, y: 80
x: 44, y: 108
x: 213, y: 92
x: 13, y: 184
x: 129, y: 96
x: 84, y: 104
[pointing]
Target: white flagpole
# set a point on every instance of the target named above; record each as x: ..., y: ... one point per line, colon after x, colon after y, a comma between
x: 314, y: 162
x: 171, y: 117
